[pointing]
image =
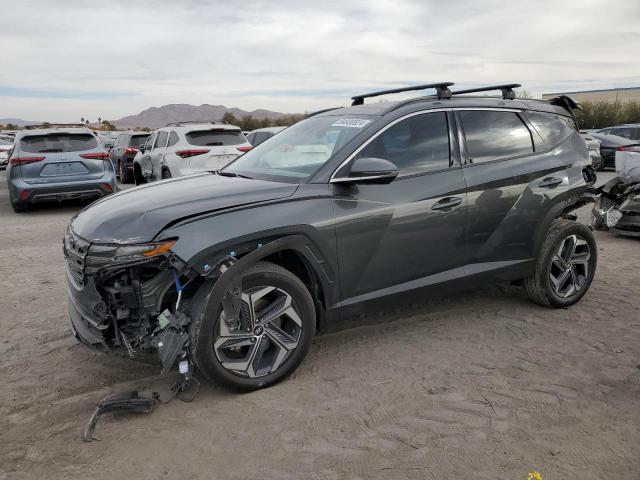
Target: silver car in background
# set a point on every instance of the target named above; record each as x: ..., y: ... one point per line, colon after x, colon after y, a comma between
x: 54, y: 164
x: 256, y: 137
x: 5, y: 148
x: 185, y: 148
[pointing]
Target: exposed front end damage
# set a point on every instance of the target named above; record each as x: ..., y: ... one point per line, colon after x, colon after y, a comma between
x: 126, y: 298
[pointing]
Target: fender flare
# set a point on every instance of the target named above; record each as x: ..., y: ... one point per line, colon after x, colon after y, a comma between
x: 300, y: 243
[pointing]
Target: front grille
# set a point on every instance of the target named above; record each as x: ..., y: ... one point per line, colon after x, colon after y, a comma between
x: 75, y: 251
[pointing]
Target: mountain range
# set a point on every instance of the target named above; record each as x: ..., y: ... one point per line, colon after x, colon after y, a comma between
x: 156, y: 117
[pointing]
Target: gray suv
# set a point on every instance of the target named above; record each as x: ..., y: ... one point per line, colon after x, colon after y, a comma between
x: 233, y: 272
x: 53, y: 164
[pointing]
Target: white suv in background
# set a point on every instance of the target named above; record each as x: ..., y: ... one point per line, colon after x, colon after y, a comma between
x: 184, y: 148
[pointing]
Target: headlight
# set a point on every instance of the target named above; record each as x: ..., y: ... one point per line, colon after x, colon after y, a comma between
x: 100, y: 256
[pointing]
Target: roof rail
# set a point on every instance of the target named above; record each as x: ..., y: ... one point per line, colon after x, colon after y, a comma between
x: 441, y: 89
x: 55, y: 125
x: 507, y: 90
x: 184, y: 122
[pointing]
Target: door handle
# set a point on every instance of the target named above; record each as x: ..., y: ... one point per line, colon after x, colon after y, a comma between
x: 550, y: 182
x: 447, y: 202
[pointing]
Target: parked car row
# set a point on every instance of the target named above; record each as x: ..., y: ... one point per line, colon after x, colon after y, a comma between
x: 617, y: 138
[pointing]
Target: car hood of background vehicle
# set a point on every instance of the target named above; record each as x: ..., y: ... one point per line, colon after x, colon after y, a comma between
x: 139, y: 214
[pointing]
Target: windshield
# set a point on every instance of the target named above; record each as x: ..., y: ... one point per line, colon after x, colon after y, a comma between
x: 298, y: 152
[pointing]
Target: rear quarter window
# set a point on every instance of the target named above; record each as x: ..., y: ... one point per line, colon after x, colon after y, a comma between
x: 215, y: 137
x: 552, y: 128
x: 58, y: 142
x: 495, y: 135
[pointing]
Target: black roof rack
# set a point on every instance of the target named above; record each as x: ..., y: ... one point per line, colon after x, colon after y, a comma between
x: 507, y: 90
x: 441, y: 88
x: 184, y: 122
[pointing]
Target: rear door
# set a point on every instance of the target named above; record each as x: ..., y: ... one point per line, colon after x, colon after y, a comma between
x: 157, y: 153
x: 410, y: 233
x: 219, y: 147
x: 145, y: 157
x: 58, y: 157
x: 505, y: 164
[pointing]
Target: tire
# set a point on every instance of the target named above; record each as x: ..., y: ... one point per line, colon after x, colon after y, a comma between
x: 138, y: 178
x: 565, y: 266
x: 206, y: 330
x: 19, y: 207
x: 126, y: 175
x: 166, y: 173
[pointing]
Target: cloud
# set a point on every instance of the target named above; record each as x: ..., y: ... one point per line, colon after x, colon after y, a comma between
x: 116, y: 58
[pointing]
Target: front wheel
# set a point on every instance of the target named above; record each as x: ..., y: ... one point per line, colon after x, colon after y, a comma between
x: 266, y: 340
x: 565, y: 266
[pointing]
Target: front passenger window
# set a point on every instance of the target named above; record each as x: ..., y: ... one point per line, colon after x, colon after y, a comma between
x: 418, y: 144
x: 161, y: 140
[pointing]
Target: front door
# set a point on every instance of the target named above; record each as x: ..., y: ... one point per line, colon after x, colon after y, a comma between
x: 410, y: 233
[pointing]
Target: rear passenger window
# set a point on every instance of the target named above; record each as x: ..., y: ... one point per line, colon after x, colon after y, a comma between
x: 418, y: 144
x: 552, y: 128
x: 173, y: 139
x: 492, y: 135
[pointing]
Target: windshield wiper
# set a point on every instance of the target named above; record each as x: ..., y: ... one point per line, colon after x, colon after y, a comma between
x: 232, y: 174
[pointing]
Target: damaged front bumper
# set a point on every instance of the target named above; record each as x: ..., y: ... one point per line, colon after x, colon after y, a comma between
x: 118, y: 294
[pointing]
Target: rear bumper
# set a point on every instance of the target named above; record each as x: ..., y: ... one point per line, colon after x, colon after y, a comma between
x: 24, y: 192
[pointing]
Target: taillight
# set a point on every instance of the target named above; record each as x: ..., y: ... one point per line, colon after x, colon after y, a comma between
x: 23, y: 160
x: 191, y: 153
x: 95, y: 156
x: 130, y: 150
x: 629, y: 148
x: 245, y: 149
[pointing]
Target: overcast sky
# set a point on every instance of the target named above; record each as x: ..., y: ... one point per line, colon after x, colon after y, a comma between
x: 65, y: 59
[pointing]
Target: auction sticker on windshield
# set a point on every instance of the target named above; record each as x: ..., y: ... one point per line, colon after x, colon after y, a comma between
x: 350, y: 122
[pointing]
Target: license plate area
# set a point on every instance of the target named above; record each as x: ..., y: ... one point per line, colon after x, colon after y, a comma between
x: 63, y: 168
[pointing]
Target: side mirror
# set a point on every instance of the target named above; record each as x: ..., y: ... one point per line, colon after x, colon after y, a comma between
x: 369, y: 170
x: 142, y: 148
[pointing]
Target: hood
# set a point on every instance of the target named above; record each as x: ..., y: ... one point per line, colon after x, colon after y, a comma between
x: 139, y: 214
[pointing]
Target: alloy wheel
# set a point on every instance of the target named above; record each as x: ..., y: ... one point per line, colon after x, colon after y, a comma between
x: 570, y: 266
x: 264, y: 336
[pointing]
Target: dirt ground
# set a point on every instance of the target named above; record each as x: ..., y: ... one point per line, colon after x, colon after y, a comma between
x: 481, y: 385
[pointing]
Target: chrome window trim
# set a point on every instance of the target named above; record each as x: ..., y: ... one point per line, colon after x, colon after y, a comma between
x: 409, y: 115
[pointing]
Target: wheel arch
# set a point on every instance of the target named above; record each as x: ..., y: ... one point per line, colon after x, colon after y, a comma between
x: 294, y: 252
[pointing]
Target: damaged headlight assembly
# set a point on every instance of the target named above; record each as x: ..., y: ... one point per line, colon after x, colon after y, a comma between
x: 105, y: 256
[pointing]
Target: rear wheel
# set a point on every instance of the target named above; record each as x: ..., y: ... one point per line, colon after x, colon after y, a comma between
x: 565, y: 266
x: 166, y: 173
x: 19, y: 207
x: 125, y: 173
x: 268, y: 339
x: 138, y: 178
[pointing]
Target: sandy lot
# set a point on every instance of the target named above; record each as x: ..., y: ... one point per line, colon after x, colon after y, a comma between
x: 481, y: 385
